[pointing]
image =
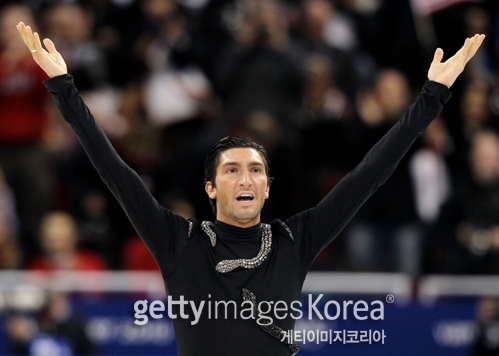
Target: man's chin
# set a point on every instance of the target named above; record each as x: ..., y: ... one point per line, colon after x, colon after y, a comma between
x: 246, y: 216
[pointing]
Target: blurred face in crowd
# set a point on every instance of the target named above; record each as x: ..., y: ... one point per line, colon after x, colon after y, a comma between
x: 58, y: 233
x: 474, y: 105
x: 316, y: 13
x: 263, y: 127
x: 485, y: 156
x: 240, y: 188
x: 392, y: 92
x: 9, y: 18
x: 57, y: 309
x: 263, y: 25
x: 159, y: 9
x: 69, y: 23
x: 320, y: 73
x: 487, y: 309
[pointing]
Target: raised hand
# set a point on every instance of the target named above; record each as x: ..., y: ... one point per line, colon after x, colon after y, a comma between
x: 447, y: 72
x: 51, y: 62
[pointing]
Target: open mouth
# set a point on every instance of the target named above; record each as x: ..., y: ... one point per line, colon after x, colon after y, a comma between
x: 245, y: 197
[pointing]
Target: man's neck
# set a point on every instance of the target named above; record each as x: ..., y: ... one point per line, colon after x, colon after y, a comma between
x: 236, y: 223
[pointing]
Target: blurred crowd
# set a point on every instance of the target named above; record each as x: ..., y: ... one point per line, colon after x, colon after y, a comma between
x: 317, y: 82
x: 54, y: 329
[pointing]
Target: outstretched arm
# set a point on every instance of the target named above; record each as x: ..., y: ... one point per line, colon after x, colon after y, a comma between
x: 315, y: 228
x: 154, y: 224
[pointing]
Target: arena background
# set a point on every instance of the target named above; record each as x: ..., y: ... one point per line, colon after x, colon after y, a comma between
x: 317, y: 82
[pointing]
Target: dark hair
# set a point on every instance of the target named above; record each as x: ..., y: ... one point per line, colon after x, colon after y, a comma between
x: 213, y: 159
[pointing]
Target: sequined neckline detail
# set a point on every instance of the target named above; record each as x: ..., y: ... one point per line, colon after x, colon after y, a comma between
x: 229, y: 265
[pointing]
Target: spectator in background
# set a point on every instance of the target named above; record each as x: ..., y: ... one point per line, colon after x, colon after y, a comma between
x: 323, y: 30
x: 487, y: 337
x: 172, y: 92
x: 429, y: 172
x: 477, y: 19
x: 432, y: 184
x: 56, y: 331
x: 386, y: 235
x: 97, y: 232
x: 58, y: 320
x: 259, y: 71
x: 23, y: 120
x: 328, y: 111
x: 475, y: 109
x: 386, y: 30
x: 471, y: 219
x: 59, y: 240
x: 10, y: 254
x: 70, y: 26
x: 323, y: 100
x: 20, y: 330
x: 474, y: 112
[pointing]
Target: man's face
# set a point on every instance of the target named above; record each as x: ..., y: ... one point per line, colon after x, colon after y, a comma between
x: 241, y: 187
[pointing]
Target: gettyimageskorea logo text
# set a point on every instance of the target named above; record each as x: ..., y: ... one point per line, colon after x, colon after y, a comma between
x: 265, y: 312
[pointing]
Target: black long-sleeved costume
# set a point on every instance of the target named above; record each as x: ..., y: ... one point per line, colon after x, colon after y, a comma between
x: 187, y: 260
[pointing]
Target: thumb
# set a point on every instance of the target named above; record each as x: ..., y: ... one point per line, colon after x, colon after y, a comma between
x: 439, y: 54
x: 50, y: 46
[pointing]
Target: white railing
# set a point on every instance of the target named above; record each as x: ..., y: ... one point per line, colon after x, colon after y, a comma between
x: 432, y: 287
x: 326, y: 282
x: 27, y: 289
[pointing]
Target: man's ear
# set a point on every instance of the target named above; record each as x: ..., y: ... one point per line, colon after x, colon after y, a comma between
x: 267, y: 192
x: 211, y: 190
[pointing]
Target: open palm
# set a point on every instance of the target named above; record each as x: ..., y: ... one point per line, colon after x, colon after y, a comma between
x: 447, y: 72
x: 50, y: 61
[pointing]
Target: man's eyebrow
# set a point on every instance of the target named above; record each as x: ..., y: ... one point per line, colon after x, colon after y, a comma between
x: 231, y: 164
x: 234, y: 163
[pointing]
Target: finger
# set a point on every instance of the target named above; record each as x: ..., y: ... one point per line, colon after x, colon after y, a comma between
x: 50, y: 46
x: 476, y: 45
x: 439, y: 55
x: 22, y: 31
x: 31, y: 44
x: 30, y: 39
x: 38, y: 44
x: 474, y: 42
x: 465, y: 50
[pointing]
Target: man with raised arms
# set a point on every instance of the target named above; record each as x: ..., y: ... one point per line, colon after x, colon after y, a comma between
x: 238, y: 258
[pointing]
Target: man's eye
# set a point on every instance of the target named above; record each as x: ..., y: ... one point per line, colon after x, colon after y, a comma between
x: 256, y: 170
x: 232, y: 170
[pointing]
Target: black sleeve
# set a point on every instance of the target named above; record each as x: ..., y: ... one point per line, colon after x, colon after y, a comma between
x: 313, y: 229
x: 164, y: 232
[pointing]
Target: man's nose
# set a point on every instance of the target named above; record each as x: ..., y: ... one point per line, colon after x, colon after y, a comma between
x: 245, y: 179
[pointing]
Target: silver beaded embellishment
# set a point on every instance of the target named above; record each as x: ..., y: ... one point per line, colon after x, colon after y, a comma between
x: 288, y: 230
x: 270, y: 329
x: 229, y: 265
x: 190, y: 230
x: 206, y: 226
